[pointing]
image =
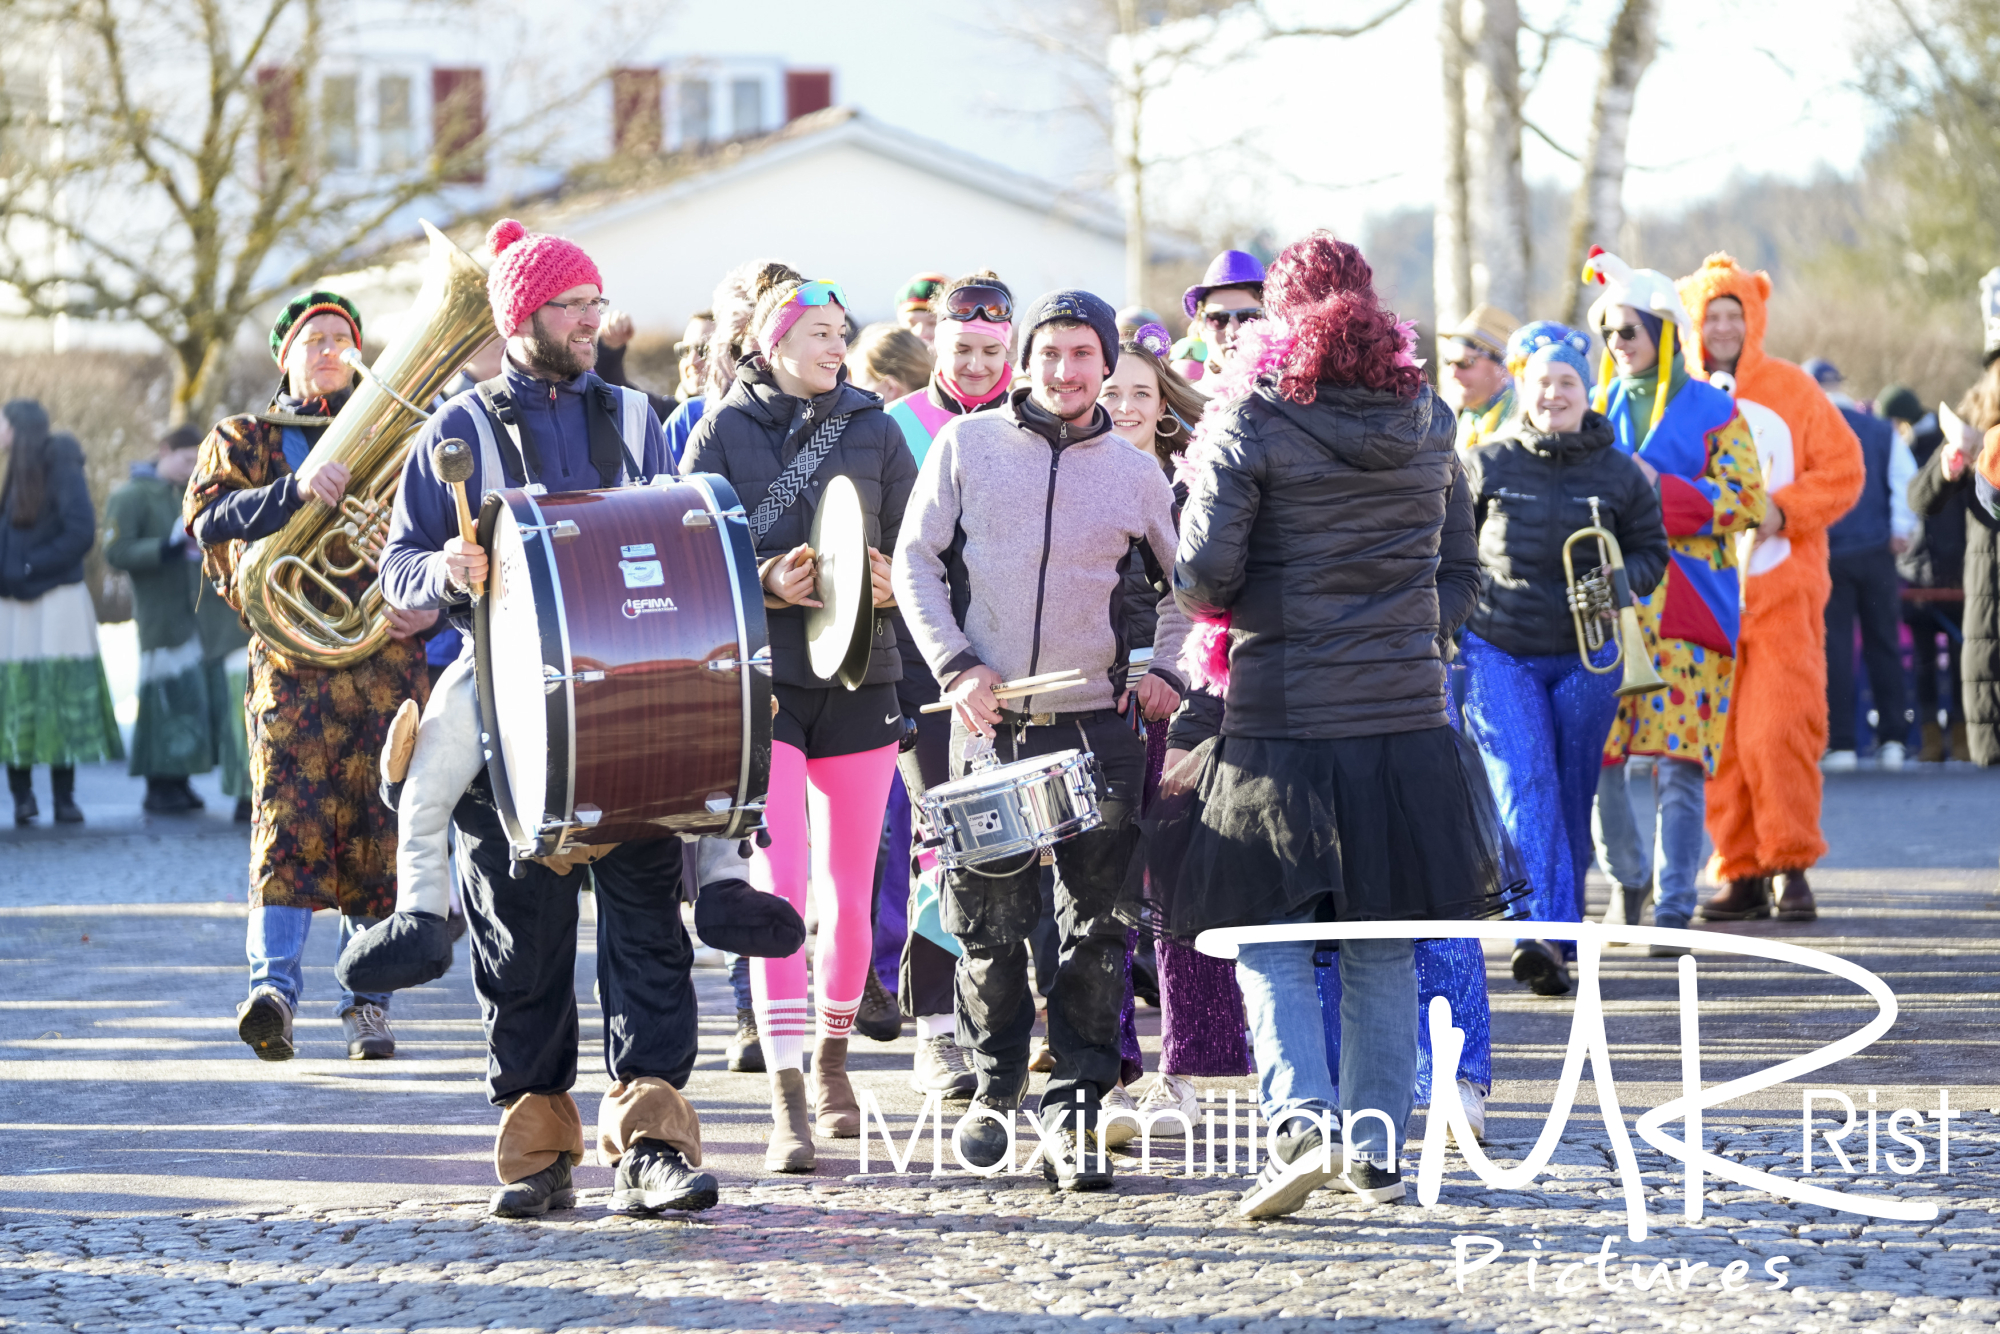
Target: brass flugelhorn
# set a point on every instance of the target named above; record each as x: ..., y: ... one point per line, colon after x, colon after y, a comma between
x: 1601, y: 604
x: 287, y: 581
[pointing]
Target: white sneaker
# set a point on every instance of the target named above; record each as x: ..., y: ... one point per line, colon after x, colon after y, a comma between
x: 1839, y: 762
x: 1475, y: 1108
x: 1171, y: 1093
x: 1890, y: 755
x: 1117, y: 1134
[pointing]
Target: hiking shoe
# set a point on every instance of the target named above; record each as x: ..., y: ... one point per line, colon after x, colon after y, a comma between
x: 368, y: 1035
x: 1474, y: 1101
x: 531, y: 1197
x: 1378, y: 1185
x: 879, y: 1019
x: 265, y: 1022
x: 1301, y: 1166
x: 653, y: 1176
x: 1071, y: 1161
x: 1540, y: 965
x: 1796, y: 904
x: 984, y: 1142
x: 942, y: 1066
x: 1171, y: 1093
x: 745, y: 1051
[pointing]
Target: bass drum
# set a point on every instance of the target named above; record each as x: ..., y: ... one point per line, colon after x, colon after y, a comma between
x: 623, y: 665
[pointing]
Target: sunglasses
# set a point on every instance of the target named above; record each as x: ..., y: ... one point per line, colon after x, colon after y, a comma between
x: 1624, y: 333
x: 980, y: 301
x: 1218, y: 319
x: 1463, y: 363
x: 819, y: 294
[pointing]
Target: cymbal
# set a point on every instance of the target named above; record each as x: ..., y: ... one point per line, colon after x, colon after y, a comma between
x: 840, y: 630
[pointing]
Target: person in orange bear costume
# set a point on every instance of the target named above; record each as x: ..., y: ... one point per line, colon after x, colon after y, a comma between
x: 1764, y: 802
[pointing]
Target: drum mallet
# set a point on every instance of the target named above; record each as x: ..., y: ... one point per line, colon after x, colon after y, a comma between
x: 453, y: 461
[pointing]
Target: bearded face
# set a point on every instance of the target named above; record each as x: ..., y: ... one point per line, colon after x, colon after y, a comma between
x: 557, y: 352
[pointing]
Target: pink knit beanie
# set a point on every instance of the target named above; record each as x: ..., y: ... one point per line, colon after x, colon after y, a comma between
x: 529, y: 270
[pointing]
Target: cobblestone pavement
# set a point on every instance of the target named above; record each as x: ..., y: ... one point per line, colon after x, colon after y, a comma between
x: 153, y: 1176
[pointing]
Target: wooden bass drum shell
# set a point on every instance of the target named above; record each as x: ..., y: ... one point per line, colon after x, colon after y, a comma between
x: 656, y: 725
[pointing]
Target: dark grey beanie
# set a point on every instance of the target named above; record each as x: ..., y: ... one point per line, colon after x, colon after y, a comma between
x: 1071, y: 304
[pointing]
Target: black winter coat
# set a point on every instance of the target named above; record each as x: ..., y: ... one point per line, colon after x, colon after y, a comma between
x: 1979, y: 661
x: 753, y: 434
x: 1529, y: 493
x: 1339, y: 536
x: 1935, y: 557
x: 49, y: 552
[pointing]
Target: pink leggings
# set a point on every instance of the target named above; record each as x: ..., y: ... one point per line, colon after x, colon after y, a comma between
x: 841, y: 800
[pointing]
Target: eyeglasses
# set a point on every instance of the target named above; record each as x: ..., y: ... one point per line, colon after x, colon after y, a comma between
x: 980, y: 301
x: 1218, y: 319
x: 582, y: 306
x: 1624, y: 333
x: 686, y: 349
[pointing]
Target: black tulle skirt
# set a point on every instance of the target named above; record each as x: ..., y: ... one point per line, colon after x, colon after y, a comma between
x: 1381, y: 828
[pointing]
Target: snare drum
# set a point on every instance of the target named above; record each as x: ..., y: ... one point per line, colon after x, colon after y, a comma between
x: 1009, y: 809
x: 618, y: 649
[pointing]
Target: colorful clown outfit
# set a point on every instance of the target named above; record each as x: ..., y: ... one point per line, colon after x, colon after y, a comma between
x: 1711, y: 488
x: 1764, y: 812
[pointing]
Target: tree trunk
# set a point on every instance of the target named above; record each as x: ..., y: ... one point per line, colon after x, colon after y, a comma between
x: 1451, y: 239
x: 1498, y: 194
x: 1598, y: 216
x: 1127, y: 118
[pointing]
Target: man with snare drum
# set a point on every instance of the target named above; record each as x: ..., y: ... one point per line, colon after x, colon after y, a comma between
x: 1008, y: 566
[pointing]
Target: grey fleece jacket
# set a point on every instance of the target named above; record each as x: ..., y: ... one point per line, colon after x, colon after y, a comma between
x: 1010, y: 550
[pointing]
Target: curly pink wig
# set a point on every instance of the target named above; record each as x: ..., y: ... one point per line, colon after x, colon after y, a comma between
x: 1324, y: 290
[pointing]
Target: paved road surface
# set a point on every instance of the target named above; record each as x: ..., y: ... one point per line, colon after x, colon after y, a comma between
x: 152, y: 1174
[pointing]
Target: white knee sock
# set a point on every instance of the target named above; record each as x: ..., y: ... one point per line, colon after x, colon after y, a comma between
x: 836, y: 1018
x: 782, y: 1026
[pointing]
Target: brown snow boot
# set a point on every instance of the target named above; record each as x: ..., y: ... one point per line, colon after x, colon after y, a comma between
x: 791, y: 1148
x: 838, y: 1115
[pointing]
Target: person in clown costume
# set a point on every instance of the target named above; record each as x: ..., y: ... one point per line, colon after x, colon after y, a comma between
x: 1694, y: 446
x: 1764, y: 811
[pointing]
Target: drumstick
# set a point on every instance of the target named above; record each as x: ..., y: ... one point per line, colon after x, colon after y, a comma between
x: 1018, y: 690
x: 453, y: 461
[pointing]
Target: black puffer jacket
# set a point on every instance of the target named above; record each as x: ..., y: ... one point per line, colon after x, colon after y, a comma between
x: 1529, y: 493
x: 1339, y: 536
x: 750, y: 438
x: 48, y: 552
x: 1979, y: 662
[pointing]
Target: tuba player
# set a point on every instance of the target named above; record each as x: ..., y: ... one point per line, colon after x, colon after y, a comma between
x: 319, y: 838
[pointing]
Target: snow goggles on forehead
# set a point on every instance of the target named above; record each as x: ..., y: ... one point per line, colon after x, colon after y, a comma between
x: 980, y: 301
x: 819, y: 293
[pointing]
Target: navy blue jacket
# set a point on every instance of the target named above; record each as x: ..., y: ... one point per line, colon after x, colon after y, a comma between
x: 49, y: 552
x: 1866, y: 526
x: 555, y: 429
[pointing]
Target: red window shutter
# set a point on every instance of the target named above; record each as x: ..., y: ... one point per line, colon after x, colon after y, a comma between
x: 807, y: 91
x: 458, y: 123
x: 636, y: 124
x: 277, y: 116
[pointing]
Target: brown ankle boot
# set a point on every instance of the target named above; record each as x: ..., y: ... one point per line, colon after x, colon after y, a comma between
x: 838, y: 1114
x: 1796, y: 903
x: 1743, y: 900
x: 1933, y: 747
x: 791, y: 1147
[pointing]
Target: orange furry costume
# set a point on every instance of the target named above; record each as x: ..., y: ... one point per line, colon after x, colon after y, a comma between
x: 1764, y: 801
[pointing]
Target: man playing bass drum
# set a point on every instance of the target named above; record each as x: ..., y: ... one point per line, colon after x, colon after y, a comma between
x: 545, y: 419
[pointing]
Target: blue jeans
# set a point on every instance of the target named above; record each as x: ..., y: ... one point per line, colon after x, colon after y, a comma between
x: 1378, y: 1015
x: 1628, y: 796
x: 275, y: 941
x: 739, y: 979
x: 1454, y: 969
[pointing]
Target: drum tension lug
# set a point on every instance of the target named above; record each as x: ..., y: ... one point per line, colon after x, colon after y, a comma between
x: 562, y: 530
x: 697, y: 519
x: 551, y: 678
x: 760, y: 660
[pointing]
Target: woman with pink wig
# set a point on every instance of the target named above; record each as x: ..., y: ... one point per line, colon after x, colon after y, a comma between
x: 1328, y: 536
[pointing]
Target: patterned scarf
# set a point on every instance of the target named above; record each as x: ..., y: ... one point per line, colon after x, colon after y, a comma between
x: 784, y: 492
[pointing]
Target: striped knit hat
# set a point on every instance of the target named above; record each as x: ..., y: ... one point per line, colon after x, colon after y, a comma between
x: 302, y: 308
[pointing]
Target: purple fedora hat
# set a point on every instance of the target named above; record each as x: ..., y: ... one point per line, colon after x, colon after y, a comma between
x: 1231, y: 268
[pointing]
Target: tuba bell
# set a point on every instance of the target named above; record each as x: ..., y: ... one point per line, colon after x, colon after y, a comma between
x: 1601, y: 605
x: 288, y: 581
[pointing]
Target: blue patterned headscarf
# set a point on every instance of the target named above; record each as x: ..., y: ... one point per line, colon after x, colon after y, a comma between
x: 1546, y: 340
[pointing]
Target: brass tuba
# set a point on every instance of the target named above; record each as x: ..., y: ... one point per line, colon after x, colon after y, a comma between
x: 287, y: 580
x: 1600, y: 603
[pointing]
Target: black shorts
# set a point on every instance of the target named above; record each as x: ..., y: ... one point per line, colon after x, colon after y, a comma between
x: 824, y: 721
